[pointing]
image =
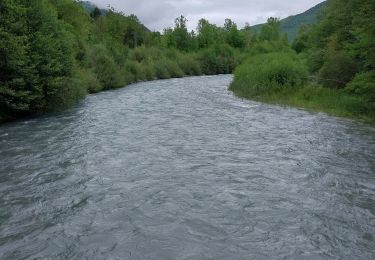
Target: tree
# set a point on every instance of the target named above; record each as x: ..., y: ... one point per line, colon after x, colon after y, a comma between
x: 247, y: 35
x: 96, y: 13
x: 343, y: 41
x: 208, y: 34
x: 233, y: 35
x: 181, y: 34
x: 301, y: 42
x: 271, y: 30
x: 52, y: 56
x: 17, y: 73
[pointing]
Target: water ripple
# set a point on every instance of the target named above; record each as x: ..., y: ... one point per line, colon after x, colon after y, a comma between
x: 182, y: 169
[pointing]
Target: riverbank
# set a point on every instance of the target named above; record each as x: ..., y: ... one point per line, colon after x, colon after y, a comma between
x: 77, y: 52
x: 315, y: 98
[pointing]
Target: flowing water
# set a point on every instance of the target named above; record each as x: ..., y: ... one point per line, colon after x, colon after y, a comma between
x: 182, y: 169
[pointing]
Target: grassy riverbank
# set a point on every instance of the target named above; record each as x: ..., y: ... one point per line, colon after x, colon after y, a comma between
x: 330, y: 67
x: 318, y: 99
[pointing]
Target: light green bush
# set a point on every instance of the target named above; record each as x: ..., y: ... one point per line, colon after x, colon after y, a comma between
x: 148, y: 71
x: 189, y: 65
x: 105, y: 68
x: 268, y: 72
x: 89, y: 81
x: 161, y: 71
x: 135, y: 68
x: 363, y: 84
x: 218, y: 59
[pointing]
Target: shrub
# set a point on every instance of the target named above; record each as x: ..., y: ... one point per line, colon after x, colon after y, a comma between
x: 218, y: 59
x: 89, y: 81
x: 363, y: 84
x: 189, y: 65
x: 264, y: 47
x: 148, y: 71
x: 337, y: 71
x: 165, y: 69
x: 268, y: 72
x: 105, y: 68
x: 174, y: 69
x: 129, y: 77
x: 161, y: 71
x: 66, y: 92
x: 135, y: 68
x: 139, y: 54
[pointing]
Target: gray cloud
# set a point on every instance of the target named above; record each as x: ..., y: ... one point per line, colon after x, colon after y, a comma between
x: 160, y: 14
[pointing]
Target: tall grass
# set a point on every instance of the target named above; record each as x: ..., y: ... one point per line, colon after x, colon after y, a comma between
x: 263, y: 73
x: 281, y: 78
x: 317, y: 98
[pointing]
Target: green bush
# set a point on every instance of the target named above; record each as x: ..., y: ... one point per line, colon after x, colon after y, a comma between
x: 363, y: 84
x: 218, y: 59
x: 337, y: 70
x: 117, y: 51
x: 89, y: 81
x: 268, y: 72
x: 173, y: 69
x: 68, y: 91
x: 135, y: 69
x: 264, y: 47
x: 161, y: 71
x: 189, y: 65
x: 129, y: 77
x: 105, y: 68
x: 139, y: 54
x: 148, y: 71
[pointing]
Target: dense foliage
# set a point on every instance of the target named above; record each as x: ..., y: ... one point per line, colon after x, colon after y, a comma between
x: 53, y: 52
x: 340, y: 49
x: 271, y: 64
x: 269, y: 72
x: 330, y: 66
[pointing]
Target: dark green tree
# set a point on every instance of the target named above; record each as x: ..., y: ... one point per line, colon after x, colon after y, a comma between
x: 270, y: 31
x: 96, y: 13
x: 233, y: 35
x: 17, y: 73
x: 181, y: 34
x: 208, y: 34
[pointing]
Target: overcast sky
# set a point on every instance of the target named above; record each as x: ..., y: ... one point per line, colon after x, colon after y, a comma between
x: 159, y: 14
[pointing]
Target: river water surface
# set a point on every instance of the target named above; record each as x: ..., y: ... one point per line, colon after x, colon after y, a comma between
x: 182, y: 169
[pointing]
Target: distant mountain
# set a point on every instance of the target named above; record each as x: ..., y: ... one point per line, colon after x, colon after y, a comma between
x: 291, y: 24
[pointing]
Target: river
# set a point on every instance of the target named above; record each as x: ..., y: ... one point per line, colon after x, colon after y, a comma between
x: 182, y: 169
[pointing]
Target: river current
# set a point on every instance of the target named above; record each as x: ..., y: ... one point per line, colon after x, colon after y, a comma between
x: 182, y: 169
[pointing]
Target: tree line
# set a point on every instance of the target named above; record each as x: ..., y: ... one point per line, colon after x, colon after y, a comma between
x: 54, y: 52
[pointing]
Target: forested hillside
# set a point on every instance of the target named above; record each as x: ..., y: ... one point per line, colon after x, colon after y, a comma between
x: 54, y: 52
x: 292, y: 24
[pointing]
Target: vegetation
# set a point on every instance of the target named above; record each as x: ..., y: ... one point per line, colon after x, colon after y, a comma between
x: 292, y: 24
x: 329, y: 67
x: 54, y: 52
x: 270, y: 72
